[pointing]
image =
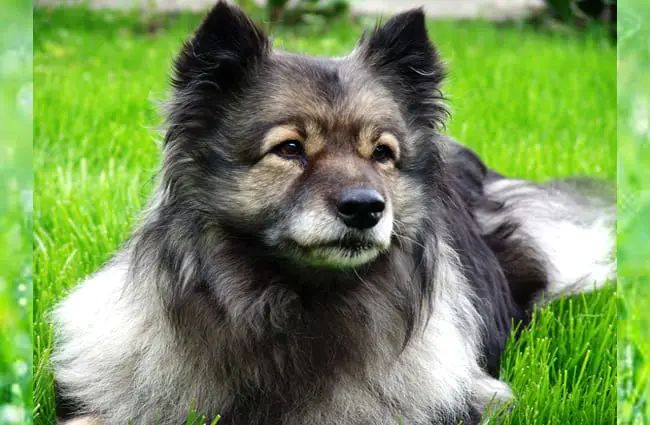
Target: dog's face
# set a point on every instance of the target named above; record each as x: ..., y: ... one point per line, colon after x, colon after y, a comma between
x: 324, y: 161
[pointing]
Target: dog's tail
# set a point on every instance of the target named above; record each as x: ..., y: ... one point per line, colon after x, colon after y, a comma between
x: 569, y: 223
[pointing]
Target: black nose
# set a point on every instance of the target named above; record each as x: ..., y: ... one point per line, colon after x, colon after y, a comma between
x: 361, y: 208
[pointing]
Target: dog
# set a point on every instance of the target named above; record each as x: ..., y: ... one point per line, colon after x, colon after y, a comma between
x: 317, y: 251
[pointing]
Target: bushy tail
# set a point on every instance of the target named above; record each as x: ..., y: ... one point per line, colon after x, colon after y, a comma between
x: 570, y: 223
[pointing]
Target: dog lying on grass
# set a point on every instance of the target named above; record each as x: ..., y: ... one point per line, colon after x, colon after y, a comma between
x: 317, y: 252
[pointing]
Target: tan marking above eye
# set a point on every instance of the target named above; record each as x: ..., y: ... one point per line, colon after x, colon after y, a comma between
x: 278, y: 135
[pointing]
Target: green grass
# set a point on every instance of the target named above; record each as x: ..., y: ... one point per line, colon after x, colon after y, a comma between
x: 634, y: 213
x: 533, y: 105
x: 15, y: 213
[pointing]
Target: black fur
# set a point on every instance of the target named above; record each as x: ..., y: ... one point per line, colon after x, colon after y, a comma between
x: 507, y: 279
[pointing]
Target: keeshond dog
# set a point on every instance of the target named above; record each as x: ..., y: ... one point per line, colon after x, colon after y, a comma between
x: 317, y: 251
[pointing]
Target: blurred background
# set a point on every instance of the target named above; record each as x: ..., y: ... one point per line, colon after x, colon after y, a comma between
x: 573, y: 12
x: 634, y: 212
x: 16, y: 108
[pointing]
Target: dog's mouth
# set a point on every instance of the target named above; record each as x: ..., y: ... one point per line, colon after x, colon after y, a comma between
x: 349, y: 244
x: 342, y: 253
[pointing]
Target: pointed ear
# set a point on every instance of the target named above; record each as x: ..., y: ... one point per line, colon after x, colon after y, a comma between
x: 401, y: 52
x: 226, y: 46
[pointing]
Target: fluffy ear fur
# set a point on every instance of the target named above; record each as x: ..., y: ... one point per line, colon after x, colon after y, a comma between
x: 225, y: 46
x: 213, y: 67
x: 402, y: 54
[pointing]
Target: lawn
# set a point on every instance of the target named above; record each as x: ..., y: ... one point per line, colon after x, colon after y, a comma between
x: 532, y: 104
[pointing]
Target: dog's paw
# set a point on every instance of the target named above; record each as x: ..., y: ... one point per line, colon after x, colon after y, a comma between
x: 83, y: 420
x: 493, y: 397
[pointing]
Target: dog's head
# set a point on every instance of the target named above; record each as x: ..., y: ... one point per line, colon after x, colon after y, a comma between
x: 324, y: 161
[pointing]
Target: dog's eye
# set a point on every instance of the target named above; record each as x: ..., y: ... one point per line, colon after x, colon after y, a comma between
x: 289, y: 149
x: 383, y: 153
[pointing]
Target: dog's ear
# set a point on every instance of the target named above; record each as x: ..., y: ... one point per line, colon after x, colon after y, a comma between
x: 401, y: 52
x: 223, y: 51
